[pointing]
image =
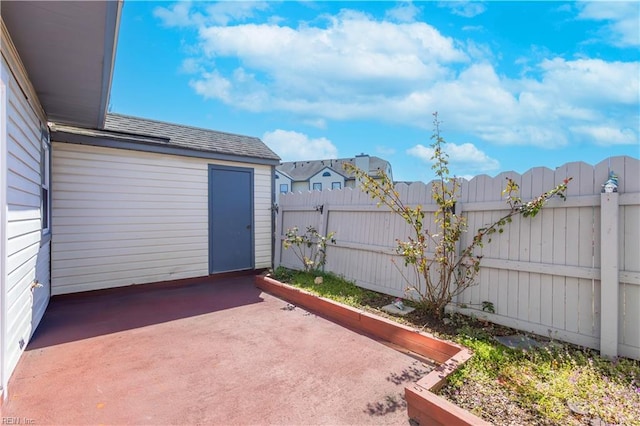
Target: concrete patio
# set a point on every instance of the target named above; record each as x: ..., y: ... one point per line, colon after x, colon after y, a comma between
x: 215, y: 352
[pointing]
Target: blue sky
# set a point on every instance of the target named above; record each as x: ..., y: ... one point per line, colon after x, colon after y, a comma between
x: 516, y: 84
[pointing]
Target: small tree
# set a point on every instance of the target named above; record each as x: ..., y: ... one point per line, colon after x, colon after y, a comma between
x: 310, y: 247
x: 442, y: 271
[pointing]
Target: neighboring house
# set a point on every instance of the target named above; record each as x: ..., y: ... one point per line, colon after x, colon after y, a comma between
x: 317, y: 175
x: 90, y: 200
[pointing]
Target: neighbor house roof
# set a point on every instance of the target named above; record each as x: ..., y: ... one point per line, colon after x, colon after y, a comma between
x: 68, y: 50
x: 304, y: 170
x: 141, y: 134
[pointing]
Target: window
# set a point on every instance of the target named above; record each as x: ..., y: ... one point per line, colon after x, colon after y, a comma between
x: 284, y: 188
x: 325, y: 174
x: 317, y: 187
x: 336, y: 185
x: 45, y: 171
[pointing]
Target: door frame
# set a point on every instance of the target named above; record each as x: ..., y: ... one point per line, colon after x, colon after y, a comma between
x: 251, y: 172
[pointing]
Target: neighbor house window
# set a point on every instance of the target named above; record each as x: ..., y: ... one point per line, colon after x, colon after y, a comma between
x: 325, y: 174
x: 284, y: 188
x: 317, y: 187
x: 336, y: 185
x: 45, y: 177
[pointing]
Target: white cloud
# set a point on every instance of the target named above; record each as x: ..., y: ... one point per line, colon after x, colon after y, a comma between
x: 351, y: 66
x: 607, y: 135
x: 290, y: 146
x: 183, y: 14
x: 467, y: 9
x: 177, y: 15
x: 346, y: 70
x: 591, y: 80
x: 213, y: 85
x: 623, y: 26
x: 464, y: 158
x: 352, y: 50
x: 191, y: 66
x: 226, y: 11
x: 403, y: 12
x: 319, y: 123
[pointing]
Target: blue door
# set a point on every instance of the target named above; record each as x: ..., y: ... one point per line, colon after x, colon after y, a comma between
x: 230, y: 219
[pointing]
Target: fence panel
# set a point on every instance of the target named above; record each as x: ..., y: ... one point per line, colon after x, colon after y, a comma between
x: 629, y: 229
x: 542, y: 274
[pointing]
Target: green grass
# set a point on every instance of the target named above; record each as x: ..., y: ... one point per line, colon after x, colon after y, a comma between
x: 333, y: 287
x: 544, y: 383
x: 550, y: 380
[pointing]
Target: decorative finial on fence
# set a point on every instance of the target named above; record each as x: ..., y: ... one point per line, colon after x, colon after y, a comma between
x: 611, y: 185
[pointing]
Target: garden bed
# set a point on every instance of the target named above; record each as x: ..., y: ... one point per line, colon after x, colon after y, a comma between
x: 423, y: 405
x: 553, y: 384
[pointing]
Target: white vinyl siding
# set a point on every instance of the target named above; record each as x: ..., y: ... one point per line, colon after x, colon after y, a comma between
x: 263, y: 190
x: 25, y: 253
x: 124, y: 217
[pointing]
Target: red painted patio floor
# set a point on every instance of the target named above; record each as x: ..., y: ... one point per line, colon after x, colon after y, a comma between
x: 213, y: 353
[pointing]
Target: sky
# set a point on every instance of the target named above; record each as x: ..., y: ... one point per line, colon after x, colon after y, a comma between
x: 515, y: 85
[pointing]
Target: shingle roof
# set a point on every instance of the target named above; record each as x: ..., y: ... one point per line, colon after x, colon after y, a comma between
x: 304, y: 170
x: 188, y: 137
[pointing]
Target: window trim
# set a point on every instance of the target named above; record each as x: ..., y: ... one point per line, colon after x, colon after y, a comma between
x: 45, y: 183
x: 336, y: 185
x: 317, y: 186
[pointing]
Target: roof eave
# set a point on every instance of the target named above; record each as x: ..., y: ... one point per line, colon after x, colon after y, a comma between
x: 144, y: 143
x: 68, y: 51
x: 114, y: 12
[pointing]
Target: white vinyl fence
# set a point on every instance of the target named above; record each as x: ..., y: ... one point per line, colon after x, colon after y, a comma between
x: 571, y: 273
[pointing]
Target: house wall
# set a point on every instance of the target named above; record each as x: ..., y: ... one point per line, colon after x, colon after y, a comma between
x: 326, y: 181
x: 281, y: 179
x: 24, y: 250
x: 124, y: 217
x: 300, y: 186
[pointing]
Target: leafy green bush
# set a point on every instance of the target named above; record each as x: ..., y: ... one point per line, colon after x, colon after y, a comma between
x: 310, y: 247
x: 442, y: 270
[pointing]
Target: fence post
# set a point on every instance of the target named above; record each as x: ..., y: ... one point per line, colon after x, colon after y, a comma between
x: 277, y: 232
x: 609, y: 279
x: 457, y: 210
